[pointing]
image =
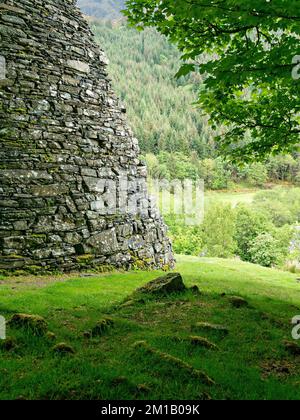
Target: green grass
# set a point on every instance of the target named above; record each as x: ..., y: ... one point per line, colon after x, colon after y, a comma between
x: 230, y: 197
x: 250, y: 363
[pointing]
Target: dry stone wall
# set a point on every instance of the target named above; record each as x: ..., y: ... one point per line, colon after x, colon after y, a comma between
x: 72, y: 187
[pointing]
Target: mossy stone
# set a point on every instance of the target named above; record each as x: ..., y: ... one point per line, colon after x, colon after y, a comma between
x: 50, y: 335
x: 8, y: 344
x: 102, y: 327
x: 207, y: 327
x: 238, y: 302
x: 165, y: 285
x: 33, y: 323
x: 292, y: 347
x: 202, y: 342
x: 63, y: 348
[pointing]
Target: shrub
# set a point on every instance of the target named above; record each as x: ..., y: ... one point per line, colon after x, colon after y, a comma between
x: 255, y: 174
x: 186, y: 239
x: 219, y: 230
x: 249, y: 225
x: 265, y: 250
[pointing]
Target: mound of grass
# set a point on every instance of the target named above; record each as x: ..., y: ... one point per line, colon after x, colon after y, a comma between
x: 33, y: 323
x: 102, y: 327
x: 196, y: 340
x: 63, y: 348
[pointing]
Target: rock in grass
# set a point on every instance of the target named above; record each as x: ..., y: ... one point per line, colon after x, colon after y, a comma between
x: 205, y: 396
x: 34, y: 323
x: 8, y: 344
x: 207, y: 327
x: 195, y: 290
x: 292, y: 347
x: 180, y: 364
x: 238, y: 302
x: 63, y: 348
x: 119, y: 380
x: 143, y: 389
x: 102, y: 327
x: 87, y: 334
x: 50, y: 335
x: 165, y: 285
x: 128, y: 303
x: 202, y: 342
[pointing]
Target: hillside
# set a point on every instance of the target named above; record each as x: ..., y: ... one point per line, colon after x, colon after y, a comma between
x: 105, y: 9
x: 160, y: 108
x: 148, y: 353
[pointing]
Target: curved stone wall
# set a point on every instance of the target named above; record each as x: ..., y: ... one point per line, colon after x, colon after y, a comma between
x: 72, y: 188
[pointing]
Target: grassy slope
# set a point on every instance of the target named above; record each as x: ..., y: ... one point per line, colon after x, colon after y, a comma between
x: 109, y: 368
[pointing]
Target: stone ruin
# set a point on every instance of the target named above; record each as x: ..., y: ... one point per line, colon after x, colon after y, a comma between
x: 72, y: 187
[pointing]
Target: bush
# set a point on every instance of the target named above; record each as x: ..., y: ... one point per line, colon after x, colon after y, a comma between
x: 249, y: 225
x: 214, y: 173
x: 219, y: 230
x: 282, y: 168
x: 265, y: 250
x: 186, y: 240
x: 255, y: 174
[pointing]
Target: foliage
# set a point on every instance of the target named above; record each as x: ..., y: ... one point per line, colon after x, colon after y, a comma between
x: 255, y: 174
x: 264, y: 250
x: 282, y: 205
x: 229, y: 230
x: 218, y: 231
x: 249, y: 225
x: 186, y: 240
x: 246, y: 51
x: 162, y: 117
x: 214, y: 173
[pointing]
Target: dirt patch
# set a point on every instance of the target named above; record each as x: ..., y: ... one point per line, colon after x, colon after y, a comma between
x: 38, y: 281
x: 278, y: 368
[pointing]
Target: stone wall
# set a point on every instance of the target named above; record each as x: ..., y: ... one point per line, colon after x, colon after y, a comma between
x: 67, y: 156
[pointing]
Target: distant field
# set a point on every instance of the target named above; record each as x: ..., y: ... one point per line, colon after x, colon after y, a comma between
x: 230, y: 197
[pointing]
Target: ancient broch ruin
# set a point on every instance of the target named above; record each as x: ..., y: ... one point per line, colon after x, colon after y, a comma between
x: 72, y: 188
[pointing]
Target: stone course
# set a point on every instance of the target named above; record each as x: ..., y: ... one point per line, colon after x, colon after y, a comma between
x: 65, y: 149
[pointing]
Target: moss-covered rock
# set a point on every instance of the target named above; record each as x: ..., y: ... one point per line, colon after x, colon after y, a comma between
x: 33, y: 323
x: 102, y: 327
x: 238, y: 302
x: 202, y: 342
x: 143, y: 389
x: 63, y: 348
x: 292, y: 347
x: 165, y: 285
x: 50, y: 336
x: 195, y: 290
x: 8, y: 344
x: 207, y: 327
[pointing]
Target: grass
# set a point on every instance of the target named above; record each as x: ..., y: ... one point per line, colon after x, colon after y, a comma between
x: 250, y: 362
x: 230, y: 197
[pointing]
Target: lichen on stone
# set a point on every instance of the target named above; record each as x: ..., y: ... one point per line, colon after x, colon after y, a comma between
x: 65, y: 147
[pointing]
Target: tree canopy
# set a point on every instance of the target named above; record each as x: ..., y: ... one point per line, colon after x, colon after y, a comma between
x: 247, y: 52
